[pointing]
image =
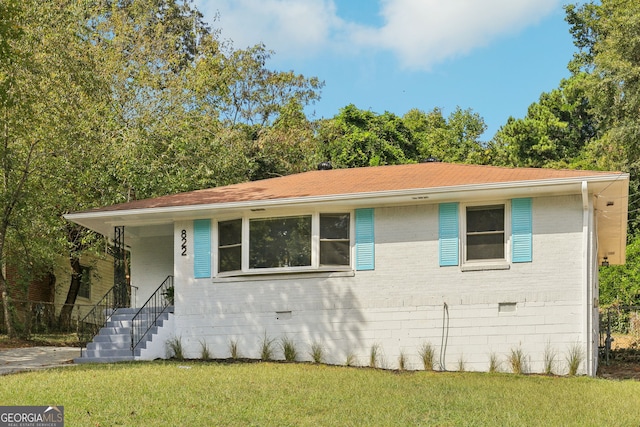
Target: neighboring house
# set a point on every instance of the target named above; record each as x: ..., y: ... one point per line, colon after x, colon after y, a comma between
x: 478, y: 261
x: 96, y: 280
x: 39, y: 302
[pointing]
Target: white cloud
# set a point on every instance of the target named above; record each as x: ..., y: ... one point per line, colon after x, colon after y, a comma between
x: 289, y: 27
x: 420, y: 33
x: 424, y: 32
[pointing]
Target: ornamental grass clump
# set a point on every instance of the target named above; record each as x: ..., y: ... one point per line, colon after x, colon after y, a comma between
x: 288, y: 349
x: 402, y: 361
x: 234, y: 350
x: 427, y: 355
x: 266, y: 348
x: 574, y: 359
x: 374, y: 356
x: 518, y: 361
x: 205, y: 352
x: 351, y: 360
x: 317, y: 353
x: 176, y: 349
x: 462, y: 364
x: 494, y: 363
x: 550, y: 355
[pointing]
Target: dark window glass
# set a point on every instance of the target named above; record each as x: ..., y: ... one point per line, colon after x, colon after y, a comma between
x: 485, y: 219
x: 280, y: 242
x: 85, y: 282
x: 230, y: 245
x: 334, y: 239
x: 485, y: 232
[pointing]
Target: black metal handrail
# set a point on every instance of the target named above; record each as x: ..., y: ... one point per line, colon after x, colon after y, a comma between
x: 147, y: 317
x: 100, y: 314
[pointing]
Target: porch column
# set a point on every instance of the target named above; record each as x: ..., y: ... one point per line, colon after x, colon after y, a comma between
x: 119, y: 269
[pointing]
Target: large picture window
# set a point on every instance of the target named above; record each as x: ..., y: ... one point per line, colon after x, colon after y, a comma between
x: 287, y: 243
x: 485, y: 232
x: 280, y: 242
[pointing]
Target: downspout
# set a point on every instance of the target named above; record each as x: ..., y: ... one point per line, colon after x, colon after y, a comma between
x: 586, y: 280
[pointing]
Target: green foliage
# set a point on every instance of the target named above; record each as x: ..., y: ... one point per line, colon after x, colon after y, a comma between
x: 620, y: 284
x: 50, y: 101
x: 356, y: 138
x: 554, y: 133
x: 107, y: 102
x: 454, y: 139
x: 608, y: 35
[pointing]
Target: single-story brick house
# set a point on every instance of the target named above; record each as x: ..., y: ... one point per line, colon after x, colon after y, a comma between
x: 478, y: 261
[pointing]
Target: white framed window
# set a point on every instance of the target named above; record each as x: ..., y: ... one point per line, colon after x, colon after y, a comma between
x: 484, y: 230
x: 335, y: 243
x: 230, y: 245
x: 284, y: 243
x: 485, y: 233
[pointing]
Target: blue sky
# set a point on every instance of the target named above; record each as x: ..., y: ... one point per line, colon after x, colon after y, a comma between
x: 493, y: 56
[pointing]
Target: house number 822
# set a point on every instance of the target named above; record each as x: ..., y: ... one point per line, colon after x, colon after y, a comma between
x: 183, y: 235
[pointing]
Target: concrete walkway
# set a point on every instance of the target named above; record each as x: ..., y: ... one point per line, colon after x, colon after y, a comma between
x: 30, y: 358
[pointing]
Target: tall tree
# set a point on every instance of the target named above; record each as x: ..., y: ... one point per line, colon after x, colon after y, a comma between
x: 608, y: 36
x: 554, y: 133
x: 46, y: 80
x: 357, y: 137
x: 452, y: 139
x: 181, y: 102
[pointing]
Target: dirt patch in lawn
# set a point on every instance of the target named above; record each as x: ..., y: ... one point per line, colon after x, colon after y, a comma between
x: 620, y: 371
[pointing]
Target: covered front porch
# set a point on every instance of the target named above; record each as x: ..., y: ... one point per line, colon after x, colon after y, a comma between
x: 134, y: 318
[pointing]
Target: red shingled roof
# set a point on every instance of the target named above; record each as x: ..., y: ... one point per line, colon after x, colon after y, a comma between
x: 353, y: 181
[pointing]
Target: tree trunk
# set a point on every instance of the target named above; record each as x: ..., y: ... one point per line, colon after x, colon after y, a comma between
x: 5, y: 306
x: 65, y: 314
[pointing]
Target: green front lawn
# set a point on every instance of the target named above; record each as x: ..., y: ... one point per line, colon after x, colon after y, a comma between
x: 169, y: 393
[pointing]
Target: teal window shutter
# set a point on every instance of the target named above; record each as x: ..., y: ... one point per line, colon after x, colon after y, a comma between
x: 202, y: 248
x: 521, y: 230
x: 448, y: 229
x: 365, y: 245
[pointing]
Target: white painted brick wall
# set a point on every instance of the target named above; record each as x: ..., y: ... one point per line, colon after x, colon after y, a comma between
x: 398, y: 306
x: 151, y: 263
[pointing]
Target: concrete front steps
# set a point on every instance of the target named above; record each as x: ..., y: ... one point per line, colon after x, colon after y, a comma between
x: 113, y: 341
